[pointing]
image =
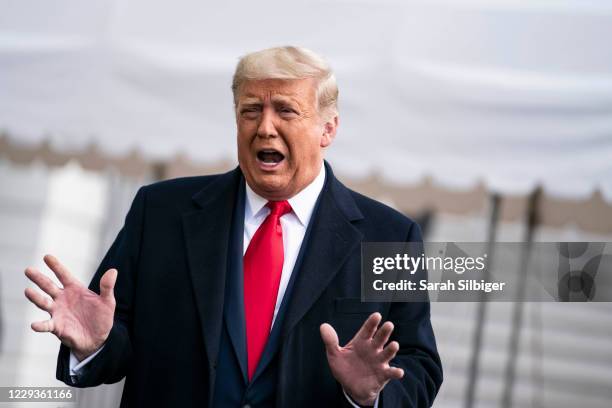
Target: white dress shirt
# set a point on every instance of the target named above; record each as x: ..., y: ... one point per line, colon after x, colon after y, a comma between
x: 294, y: 226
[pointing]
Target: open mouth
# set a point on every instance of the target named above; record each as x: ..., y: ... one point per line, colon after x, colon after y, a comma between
x: 270, y: 157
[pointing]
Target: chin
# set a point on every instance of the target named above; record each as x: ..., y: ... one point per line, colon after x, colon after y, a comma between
x: 271, y: 187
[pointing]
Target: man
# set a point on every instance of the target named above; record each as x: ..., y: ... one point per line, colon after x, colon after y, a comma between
x: 239, y: 289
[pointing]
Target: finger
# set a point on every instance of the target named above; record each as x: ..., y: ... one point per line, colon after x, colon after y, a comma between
x: 394, y: 373
x: 330, y: 337
x: 62, y: 273
x: 390, y: 351
x: 382, y: 335
x: 43, y: 282
x: 39, y: 299
x: 43, y: 326
x: 368, y: 328
x: 107, y: 284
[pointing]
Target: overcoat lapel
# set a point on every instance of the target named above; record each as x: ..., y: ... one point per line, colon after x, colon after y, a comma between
x: 333, y: 239
x: 234, y: 304
x: 206, y: 232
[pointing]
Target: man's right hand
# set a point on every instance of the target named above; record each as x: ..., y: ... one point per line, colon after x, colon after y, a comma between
x: 80, y: 318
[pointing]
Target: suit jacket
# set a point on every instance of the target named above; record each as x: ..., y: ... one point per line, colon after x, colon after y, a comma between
x: 172, y: 258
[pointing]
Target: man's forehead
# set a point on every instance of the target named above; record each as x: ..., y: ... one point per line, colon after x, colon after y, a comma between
x: 276, y: 89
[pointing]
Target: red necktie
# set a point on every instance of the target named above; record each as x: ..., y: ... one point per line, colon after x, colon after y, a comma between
x: 263, y: 266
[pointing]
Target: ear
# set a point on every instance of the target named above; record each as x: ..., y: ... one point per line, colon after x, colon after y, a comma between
x: 330, y: 128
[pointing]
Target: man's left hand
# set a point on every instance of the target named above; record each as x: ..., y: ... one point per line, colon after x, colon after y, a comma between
x: 362, y: 365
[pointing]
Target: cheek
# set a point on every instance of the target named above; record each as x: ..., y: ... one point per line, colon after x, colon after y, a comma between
x: 304, y: 155
x: 242, y: 144
x: 312, y: 145
x: 245, y: 126
x: 304, y: 141
x: 244, y: 136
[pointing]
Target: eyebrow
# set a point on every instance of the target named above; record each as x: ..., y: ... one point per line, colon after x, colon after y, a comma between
x: 249, y: 99
x: 252, y: 100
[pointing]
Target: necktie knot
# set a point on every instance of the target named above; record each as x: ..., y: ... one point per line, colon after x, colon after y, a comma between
x: 279, y: 208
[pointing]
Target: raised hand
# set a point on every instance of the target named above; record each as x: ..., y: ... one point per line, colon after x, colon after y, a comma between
x: 80, y: 318
x: 362, y: 366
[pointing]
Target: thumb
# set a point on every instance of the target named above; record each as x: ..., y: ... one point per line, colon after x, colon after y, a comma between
x: 107, y: 284
x: 329, y: 336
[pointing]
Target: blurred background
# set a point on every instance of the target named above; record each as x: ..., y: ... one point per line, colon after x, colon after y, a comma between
x: 483, y: 120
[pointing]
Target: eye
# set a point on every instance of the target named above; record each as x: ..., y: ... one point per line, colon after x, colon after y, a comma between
x: 249, y: 113
x: 286, y: 111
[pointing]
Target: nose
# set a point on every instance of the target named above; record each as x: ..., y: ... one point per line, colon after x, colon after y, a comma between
x: 266, y: 128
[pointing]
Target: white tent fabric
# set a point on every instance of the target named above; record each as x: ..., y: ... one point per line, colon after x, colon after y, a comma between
x: 512, y: 93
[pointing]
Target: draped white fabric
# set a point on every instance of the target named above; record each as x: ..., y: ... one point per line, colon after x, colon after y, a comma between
x: 512, y: 93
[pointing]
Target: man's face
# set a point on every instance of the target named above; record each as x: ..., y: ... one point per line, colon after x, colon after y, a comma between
x: 281, y: 135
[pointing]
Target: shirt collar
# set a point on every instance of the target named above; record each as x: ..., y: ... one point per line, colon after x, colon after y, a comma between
x: 302, y: 203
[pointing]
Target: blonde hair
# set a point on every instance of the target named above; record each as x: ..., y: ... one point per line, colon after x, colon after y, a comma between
x: 290, y: 63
